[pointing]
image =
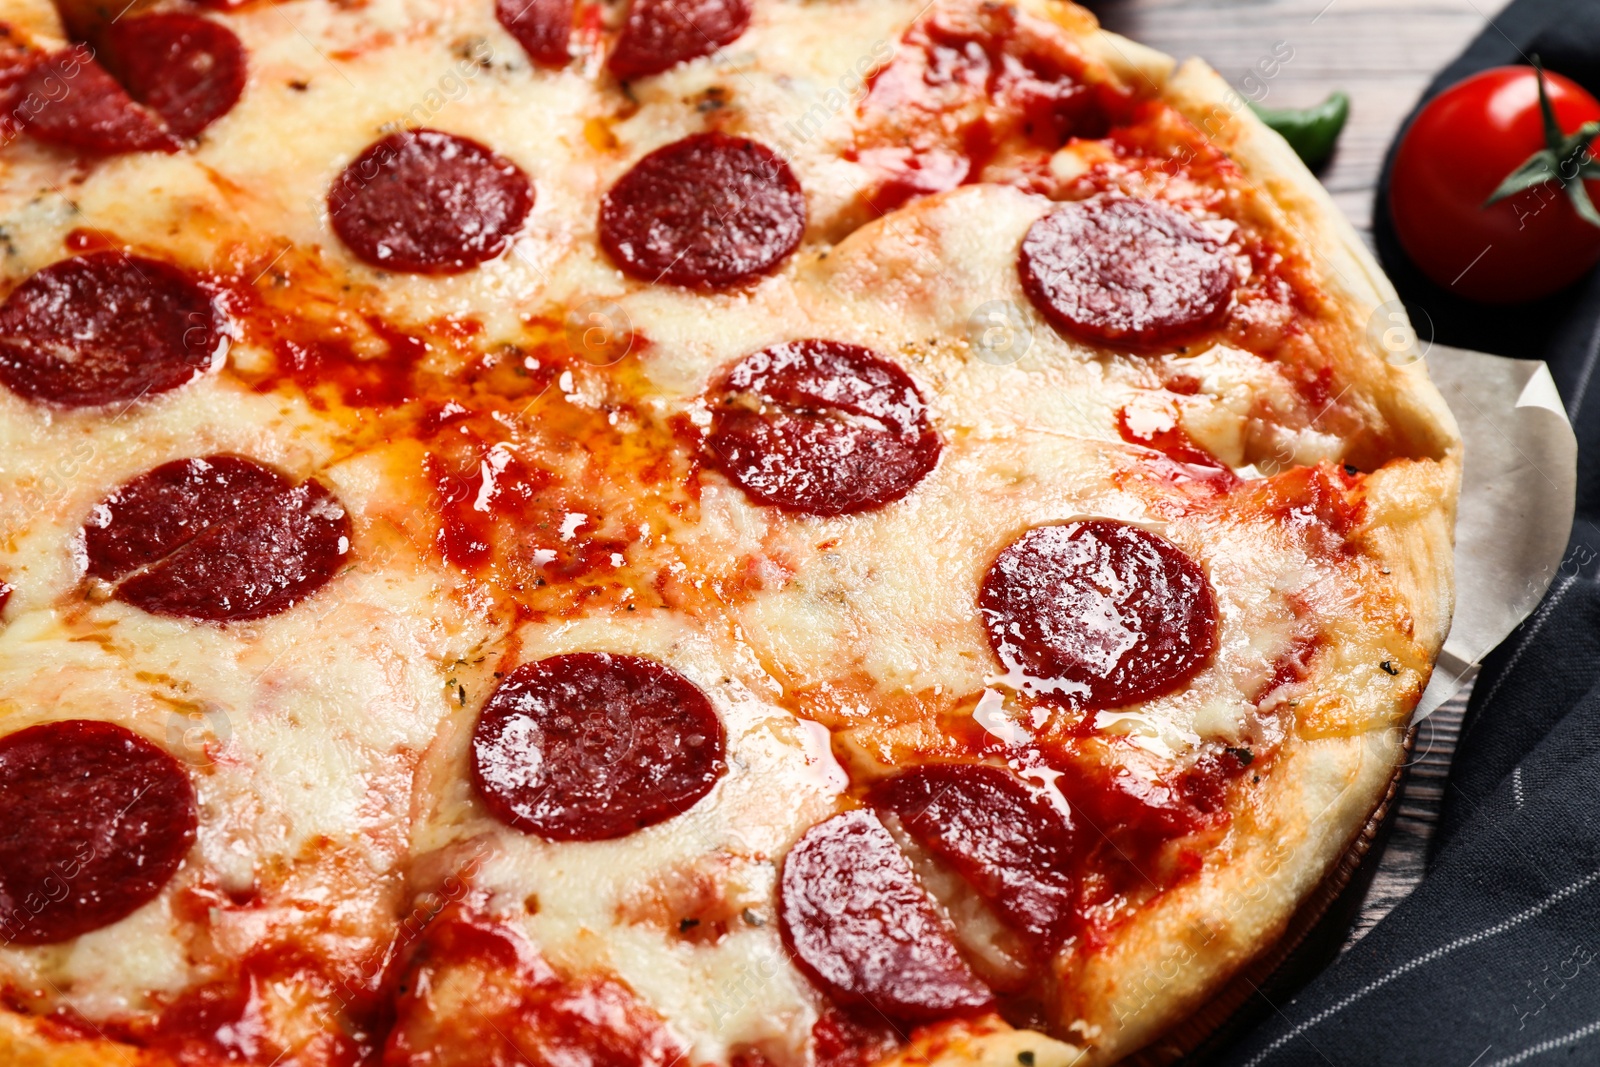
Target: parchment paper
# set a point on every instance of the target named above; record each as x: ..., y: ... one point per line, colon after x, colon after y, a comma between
x: 1516, y: 508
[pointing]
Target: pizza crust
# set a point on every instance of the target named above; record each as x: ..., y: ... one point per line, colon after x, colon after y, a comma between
x: 985, y: 1042
x: 1399, y: 386
x: 1178, y: 951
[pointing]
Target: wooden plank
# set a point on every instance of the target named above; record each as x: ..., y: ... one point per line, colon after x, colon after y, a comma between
x: 1404, y: 858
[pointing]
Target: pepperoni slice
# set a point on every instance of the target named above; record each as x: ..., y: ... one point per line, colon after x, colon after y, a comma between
x: 426, y: 202
x: 94, y: 820
x: 821, y: 427
x: 541, y: 27
x: 592, y: 746
x: 1099, y: 612
x: 659, y: 34
x: 1119, y: 271
x: 860, y: 925
x: 1011, y: 845
x: 189, y: 70
x: 107, y: 328
x: 219, y: 538
x: 70, y: 99
x: 707, y: 212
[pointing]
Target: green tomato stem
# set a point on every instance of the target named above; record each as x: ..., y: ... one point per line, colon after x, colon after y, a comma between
x: 1565, y: 159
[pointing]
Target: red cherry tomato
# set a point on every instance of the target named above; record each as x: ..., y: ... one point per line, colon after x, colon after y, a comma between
x: 1455, y: 153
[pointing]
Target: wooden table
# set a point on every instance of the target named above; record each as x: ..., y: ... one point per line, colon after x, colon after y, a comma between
x: 1383, y: 53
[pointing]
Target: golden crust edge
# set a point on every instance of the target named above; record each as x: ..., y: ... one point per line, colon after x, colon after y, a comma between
x: 1180, y: 951
x: 1409, y: 527
x: 1324, y: 789
x: 1401, y: 387
x: 1174, y: 956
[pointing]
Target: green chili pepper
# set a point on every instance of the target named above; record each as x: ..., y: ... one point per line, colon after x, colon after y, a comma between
x: 1311, y: 131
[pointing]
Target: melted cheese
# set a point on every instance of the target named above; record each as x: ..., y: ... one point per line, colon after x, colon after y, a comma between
x: 301, y: 732
x: 618, y: 905
x: 305, y: 728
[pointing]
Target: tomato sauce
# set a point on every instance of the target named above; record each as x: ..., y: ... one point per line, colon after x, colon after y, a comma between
x: 476, y: 991
x: 240, y: 1017
x: 1183, y: 462
x: 968, y: 90
x: 841, y: 1040
x: 537, y: 474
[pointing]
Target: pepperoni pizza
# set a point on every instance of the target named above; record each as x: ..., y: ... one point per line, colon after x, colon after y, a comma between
x: 746, y: 532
